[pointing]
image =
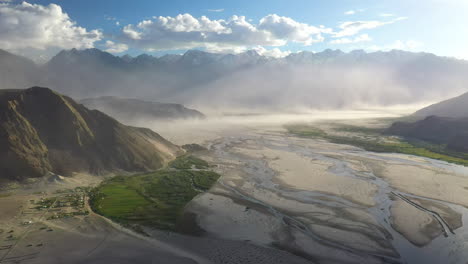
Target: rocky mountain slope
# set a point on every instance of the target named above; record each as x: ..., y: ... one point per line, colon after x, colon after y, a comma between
x: 126, y: 110
x: 456, y: 107
x: 42, y: 131
x: 452, y: 132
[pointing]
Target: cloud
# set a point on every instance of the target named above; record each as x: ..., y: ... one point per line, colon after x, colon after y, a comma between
x: 386, y: 15
x: 353, y: 12
x: 113, y: 47
x: 185, y: 31
x: 410, y: 45
x: 287, y: 29
x: 110, y: 18
x: 215, y: 10
x: 462, y: 56
x: 274, y: 53
x: 214, y: 48
x: 354, y: 27
x: 360, y: 38
x: 34, y: 26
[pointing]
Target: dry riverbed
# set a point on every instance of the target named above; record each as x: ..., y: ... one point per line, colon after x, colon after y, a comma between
x: 332, y: 203
x: 280, y: 199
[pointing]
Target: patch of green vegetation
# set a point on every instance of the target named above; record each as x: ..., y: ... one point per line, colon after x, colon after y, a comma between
x: 155, y: 199
x: 187, y: 162
x: 45, y: 203
x: 204, y: 179
x: 2, y: 195
x: 306, y: 131
x: 191, y: 148
x: 396, y: 145
x: 357, y: 129
x: 115, y: 199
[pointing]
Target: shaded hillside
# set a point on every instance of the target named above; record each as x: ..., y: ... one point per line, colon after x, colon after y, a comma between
x: 452, y: 132
x: 127, y: 110
x: 456, y: 107
x: 41, y: 131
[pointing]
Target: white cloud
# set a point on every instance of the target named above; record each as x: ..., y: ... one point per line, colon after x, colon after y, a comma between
x: 34, y: 26
x: 110, y: 18
x: 353, y: 12
x: 215, y: 10
x: 409, y: 45
x: 386, y: 15
x: 350, y: 28
x: 360, y: 38
x: 462, y: 56
x: 274, y: 53
x: 113, y: 47
x: 412, y: 44
x: 287, y: 29
x: 213, y: 48
x: 185, y: 31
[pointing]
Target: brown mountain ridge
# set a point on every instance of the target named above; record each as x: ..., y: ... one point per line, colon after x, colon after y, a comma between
x: 43, y: 131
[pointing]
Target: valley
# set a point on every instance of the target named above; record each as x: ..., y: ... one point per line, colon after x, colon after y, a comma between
x: 377, y: 137
x: 333, y: 203
x: 281, y: 197
x: 233, y: 132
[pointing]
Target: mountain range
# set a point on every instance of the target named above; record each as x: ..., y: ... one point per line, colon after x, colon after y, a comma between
x: 129, y: 110
x: 43, y: 131
x: 328, y: 79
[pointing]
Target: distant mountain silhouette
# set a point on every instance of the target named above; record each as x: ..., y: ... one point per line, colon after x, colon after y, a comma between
x: 127, y: 110
x: 327, y: 79
x: 17, y: 71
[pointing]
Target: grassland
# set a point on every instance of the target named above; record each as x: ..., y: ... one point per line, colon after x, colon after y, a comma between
x: 373, y: 139
x: 188, y: 162
x: 154, y: 199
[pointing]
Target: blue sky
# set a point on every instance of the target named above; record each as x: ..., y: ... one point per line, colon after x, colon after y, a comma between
x: 435, y: 26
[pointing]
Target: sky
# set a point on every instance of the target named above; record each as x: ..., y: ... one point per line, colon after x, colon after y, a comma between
x: 40, y: 28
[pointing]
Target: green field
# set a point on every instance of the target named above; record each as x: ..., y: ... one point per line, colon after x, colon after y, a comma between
x: 372, y: 139
x: 155, y: 199
x: 188, y: 162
